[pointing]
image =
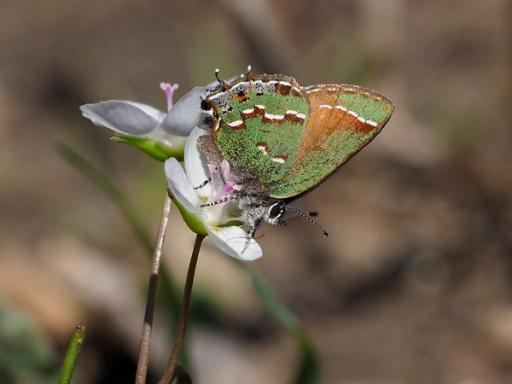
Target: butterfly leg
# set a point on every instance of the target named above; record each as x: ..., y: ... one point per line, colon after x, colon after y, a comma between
x: 254, y: 219
x: 216, y: 170
x: 203, y: 184
x: 220, y: 201
x: 254, y: 227
x: 254, y: 224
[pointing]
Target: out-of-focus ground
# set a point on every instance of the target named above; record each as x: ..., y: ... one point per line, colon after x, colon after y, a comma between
x: 414, y: 283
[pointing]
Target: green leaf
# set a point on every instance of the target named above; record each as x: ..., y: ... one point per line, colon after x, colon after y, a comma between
x: 71, y: 358
x: 157, y: 150
x: 308, y: 371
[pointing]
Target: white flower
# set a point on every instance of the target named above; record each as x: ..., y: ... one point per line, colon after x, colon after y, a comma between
x: 160, y: 134
x: 220, y: 221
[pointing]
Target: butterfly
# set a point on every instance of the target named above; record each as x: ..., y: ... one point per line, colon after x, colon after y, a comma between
x: 282, y: 140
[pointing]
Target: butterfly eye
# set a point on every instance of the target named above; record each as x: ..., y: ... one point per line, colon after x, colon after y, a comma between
x: 275, y: 211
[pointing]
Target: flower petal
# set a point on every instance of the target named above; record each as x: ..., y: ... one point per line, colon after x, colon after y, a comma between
x: 186, y: 114
x: 196, y: 165
x: 180, y: 186
x: 150, y: 110
x: 174, y: 141
x: 123, y: 116
x: 235, y: 242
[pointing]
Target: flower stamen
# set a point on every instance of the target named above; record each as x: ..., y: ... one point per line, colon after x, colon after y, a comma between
x: 169, y: 89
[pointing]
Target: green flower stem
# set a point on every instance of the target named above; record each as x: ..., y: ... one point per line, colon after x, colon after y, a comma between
x: 183, y: 317
x: 145, y: 338
x: 70, y: 360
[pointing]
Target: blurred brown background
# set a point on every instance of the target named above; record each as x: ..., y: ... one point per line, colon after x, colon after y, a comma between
x: 413, y: 285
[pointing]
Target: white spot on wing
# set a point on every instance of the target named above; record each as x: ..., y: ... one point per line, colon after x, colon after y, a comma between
x: 274, y: 117
x: 372, y: 123
x: 248, y: 111
x: 235, y: 123
x: 361, y: 119
x: 278, y: 160
x: 325, y: 106
x: 217, y: 96
x: 263, y: 149
x: 341, y: 108
x: 353, y: 113
x: 301, y: 115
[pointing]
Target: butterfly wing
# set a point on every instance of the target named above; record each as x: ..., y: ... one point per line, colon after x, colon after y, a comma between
x: 258, y: 124
x: 342, y: 120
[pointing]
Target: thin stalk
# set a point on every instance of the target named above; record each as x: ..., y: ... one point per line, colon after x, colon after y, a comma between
x: 145, y: 337
x: 71, y: 358
x: 183, y: 316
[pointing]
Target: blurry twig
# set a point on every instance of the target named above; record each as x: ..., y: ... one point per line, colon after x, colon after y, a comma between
x: 145, y: 338
x: 258, y: 24
x: 182, y: 323
x: 309, y: 369
x: 71, y: 358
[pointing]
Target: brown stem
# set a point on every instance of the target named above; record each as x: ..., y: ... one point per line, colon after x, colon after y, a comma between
x: 145, y: 337
x: 183, y: 316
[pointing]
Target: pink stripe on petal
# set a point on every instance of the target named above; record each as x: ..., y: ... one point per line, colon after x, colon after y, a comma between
x: 228, y: 189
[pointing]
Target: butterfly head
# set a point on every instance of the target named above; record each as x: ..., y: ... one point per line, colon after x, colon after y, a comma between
x: 278, y: 212
x: 274, y: 213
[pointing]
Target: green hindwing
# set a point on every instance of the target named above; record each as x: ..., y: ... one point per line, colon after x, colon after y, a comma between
x: 342, y: 120
x: 259, y: 125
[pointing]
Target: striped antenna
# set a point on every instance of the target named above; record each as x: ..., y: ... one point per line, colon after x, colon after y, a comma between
x: 306, y: 216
